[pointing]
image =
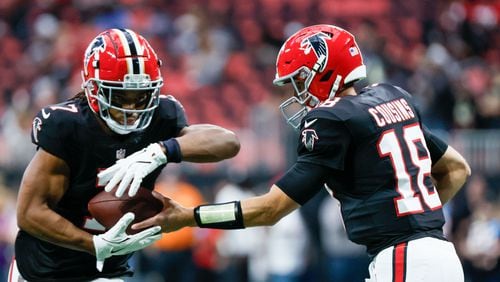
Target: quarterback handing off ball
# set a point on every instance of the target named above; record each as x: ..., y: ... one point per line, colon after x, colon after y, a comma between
x: 107, y: 209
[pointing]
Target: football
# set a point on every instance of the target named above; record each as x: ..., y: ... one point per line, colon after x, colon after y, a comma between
x: 107, y: 209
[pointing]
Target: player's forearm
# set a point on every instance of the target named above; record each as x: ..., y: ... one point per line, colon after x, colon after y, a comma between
x: 264, y: 210
x: 208, y: 143
x: 268, y: 209
x: 260, y: 212
x: 49, y: 226
x: 450, y: 183
x: 43, y: 185
x: 449, y: 174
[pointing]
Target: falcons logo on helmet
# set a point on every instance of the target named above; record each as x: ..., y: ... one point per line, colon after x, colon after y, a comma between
x: 309, y: 137
x: 317, y: 43
x: 98, y: 45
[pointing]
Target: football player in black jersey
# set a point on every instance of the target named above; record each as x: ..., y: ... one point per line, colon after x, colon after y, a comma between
x: 120, y: 115
x: 370, y: 150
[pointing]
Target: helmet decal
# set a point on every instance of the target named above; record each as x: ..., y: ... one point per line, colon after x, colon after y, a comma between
x: 317, y: 43
x: 95, y: 47
x: 354, y: 51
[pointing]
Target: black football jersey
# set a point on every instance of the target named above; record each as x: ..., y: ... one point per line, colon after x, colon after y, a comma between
x: 374, y: 155
x: 71, y: 131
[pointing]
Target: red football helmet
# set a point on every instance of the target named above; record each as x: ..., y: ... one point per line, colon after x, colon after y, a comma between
x: 319, y: 61
x: 117, y: 61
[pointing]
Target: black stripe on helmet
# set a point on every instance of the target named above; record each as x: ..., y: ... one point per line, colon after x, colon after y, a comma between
x: 133, y: 51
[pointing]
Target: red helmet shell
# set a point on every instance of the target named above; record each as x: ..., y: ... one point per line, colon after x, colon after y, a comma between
x: 329, y: 51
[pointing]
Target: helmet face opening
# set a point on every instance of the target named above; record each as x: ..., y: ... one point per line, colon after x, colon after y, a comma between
x: 127, y: 109
x: 297, y: 106
x: 294, y: 111
x: 122, y: 80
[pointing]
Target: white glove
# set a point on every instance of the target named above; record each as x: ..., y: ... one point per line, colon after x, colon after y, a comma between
x: 116, y: 241
x: 132, y: 169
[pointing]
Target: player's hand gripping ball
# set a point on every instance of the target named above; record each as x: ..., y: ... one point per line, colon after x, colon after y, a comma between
x: 107, y: 209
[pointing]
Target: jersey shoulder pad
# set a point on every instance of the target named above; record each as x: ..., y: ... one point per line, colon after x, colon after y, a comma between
x: 396, y: 92
x: 340, y: 109
x: 56, y: 120
x: 54, y: 126
x: 171, y: 99
x: 169, y: 106
x: 323, y: 119
x: 324, y: 139
x: 171, y: 109
x: 382, y: 89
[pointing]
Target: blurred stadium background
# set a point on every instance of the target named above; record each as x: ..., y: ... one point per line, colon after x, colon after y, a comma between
x: 219, y: 60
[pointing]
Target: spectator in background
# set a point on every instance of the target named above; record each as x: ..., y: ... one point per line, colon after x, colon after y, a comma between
x: 241, y: 256
x: 345, y: 260
x: 477, y: 234
x: 8, y: 228
x: 287, y: 245
x: 15, y: 126
x: 170, y: 259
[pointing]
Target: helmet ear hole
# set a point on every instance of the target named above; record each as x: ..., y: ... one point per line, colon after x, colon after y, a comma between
x: 92, y: 86
x: 326, y: 76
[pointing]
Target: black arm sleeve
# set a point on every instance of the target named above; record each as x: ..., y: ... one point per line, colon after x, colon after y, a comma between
x: 303, y: 180
x: 436, y: 146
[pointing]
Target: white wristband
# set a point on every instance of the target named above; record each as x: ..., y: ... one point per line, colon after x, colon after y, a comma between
x: 217, y: 213
x: 220, y: 216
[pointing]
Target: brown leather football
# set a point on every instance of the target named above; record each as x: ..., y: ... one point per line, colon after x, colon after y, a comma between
x: 107, y: 209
